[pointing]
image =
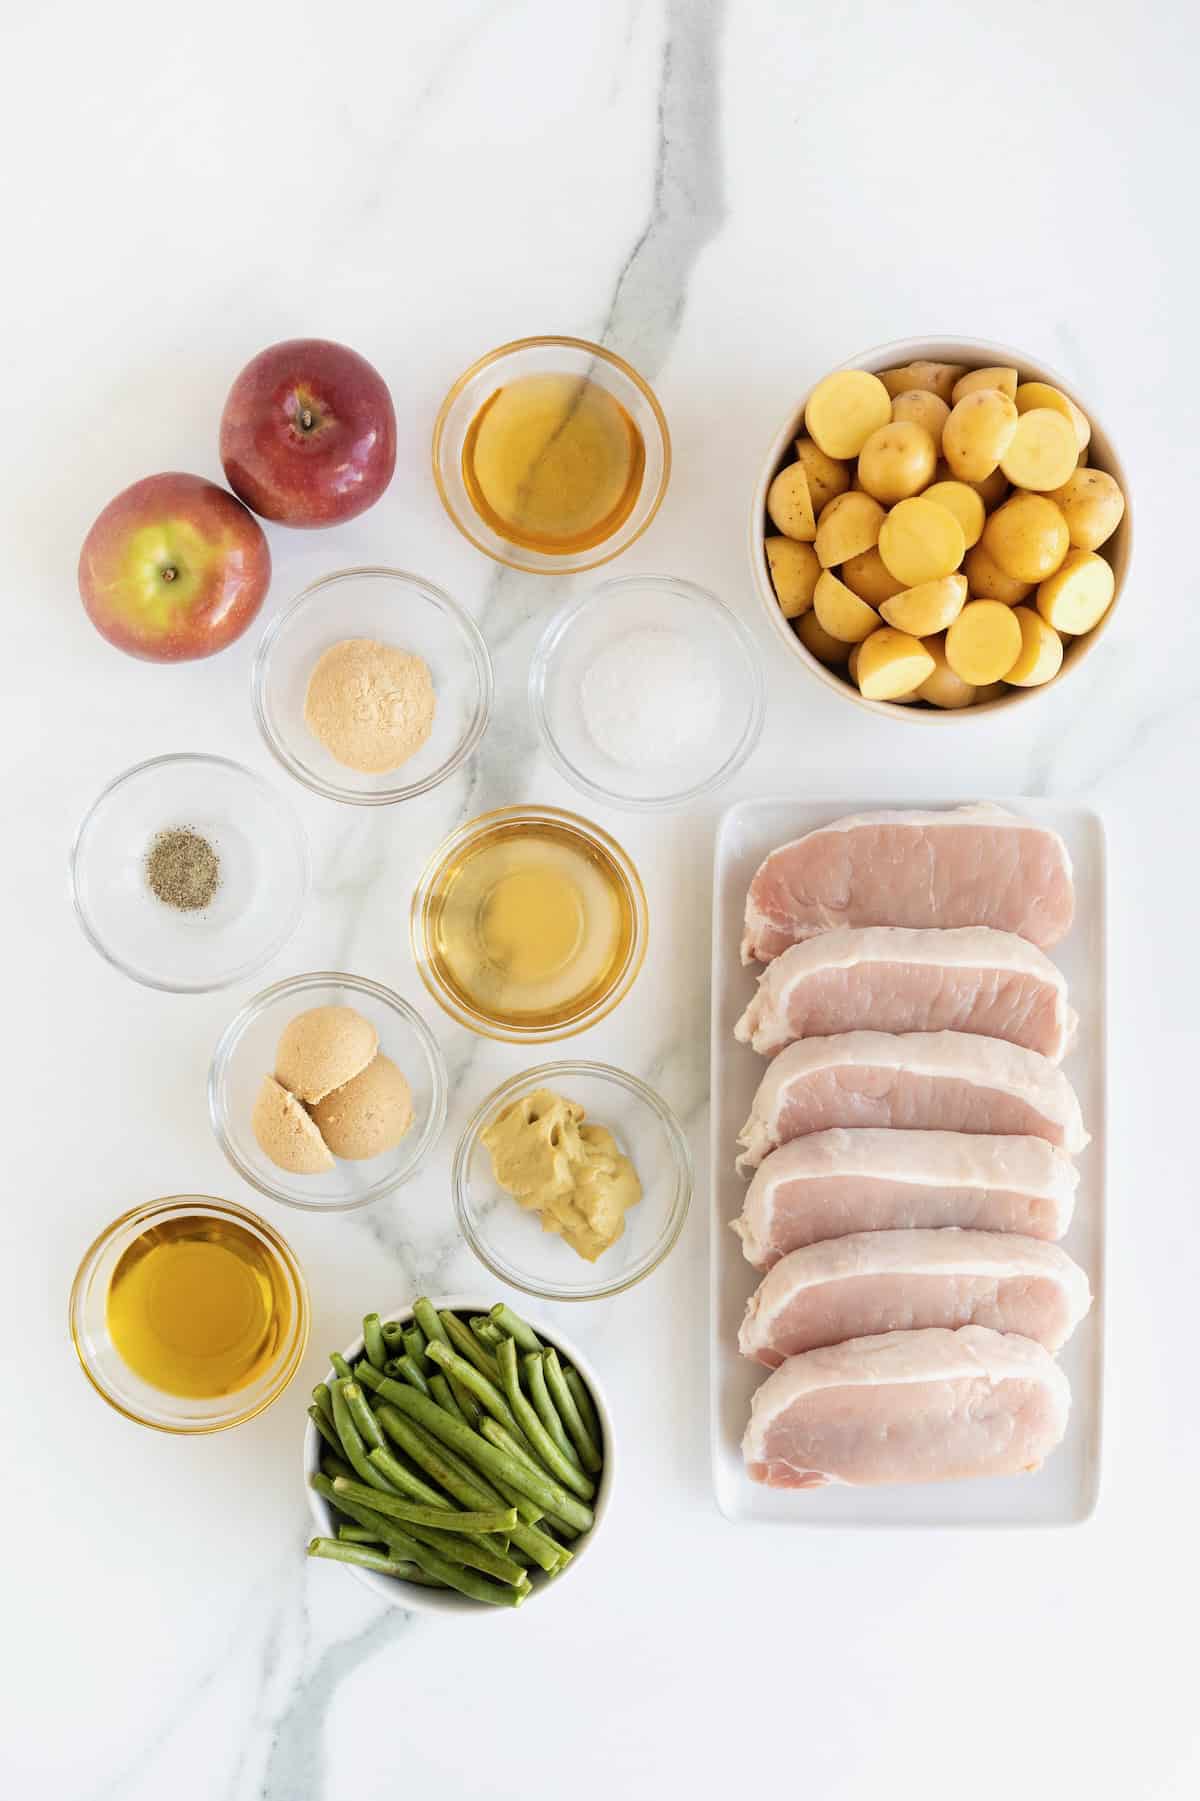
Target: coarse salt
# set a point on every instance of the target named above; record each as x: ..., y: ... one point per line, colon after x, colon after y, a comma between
x: 649, y: 697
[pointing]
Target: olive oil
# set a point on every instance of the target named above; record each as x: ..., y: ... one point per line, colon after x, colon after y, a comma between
x: 531, y: 925
x: 198, y: 1307
x: 553, y: 463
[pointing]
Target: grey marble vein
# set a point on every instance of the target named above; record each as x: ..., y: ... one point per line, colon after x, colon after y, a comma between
x: 296, y: 1765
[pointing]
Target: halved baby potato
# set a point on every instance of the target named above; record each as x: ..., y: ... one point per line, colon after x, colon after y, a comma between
x: 844, y: 409
x: 929, y: 607
x: 998, y: 376
x: 841, y: 613
x: 849, y: 525
x: 1041, y: 651
x: 920, y: 407
x: 1043, y: 452
x: 920, y: 541
x: 817, y: 641
x: 964, y: 502
x: 794, y: 570
x: 827, y: 477
x: 1093, y: 506
x: 941, y: 687
x: 1033, y: 394
x: 932, y: 378
x: 987, y: 581
x: 984, y: 642
x: 1079, y: 593
x: 897, y: 460
x: 1027, y: 537
x: 868, y: 576
x: 891, y: 664
x: 978, y: 432
x: 789, y: 504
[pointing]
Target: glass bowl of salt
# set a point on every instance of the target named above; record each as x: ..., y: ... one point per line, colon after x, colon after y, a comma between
x: 647, y: 692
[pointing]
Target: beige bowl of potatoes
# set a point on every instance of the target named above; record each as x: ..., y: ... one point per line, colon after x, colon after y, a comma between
x: 941, y: 527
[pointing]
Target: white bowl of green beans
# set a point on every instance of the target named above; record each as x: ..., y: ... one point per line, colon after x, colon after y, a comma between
x: 458, y: 1458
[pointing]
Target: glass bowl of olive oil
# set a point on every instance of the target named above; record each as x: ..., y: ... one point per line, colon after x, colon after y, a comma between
x: 189, y: 1314
x: 529, y: 924
x: 551, y: 455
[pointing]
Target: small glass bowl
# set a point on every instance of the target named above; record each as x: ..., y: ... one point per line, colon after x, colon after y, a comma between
x: 511, y: 1241
x: 112, y: 1377
x: 246, y: 1053
x: 584, y: 629
x: 264, y: 873
x: 422, y: 920
x: 391, y: 607
x: 555, y: 356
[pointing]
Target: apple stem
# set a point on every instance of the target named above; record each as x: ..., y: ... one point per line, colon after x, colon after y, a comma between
x: 306, y: 420
x: 169, y: 573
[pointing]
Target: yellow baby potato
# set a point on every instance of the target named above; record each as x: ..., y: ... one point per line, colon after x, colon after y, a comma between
x: 987, y: 581
x: 921, y: 407
x: 848, y: 526
x: 1026, y: 537
x: 789, y: 504
x: 1078, y: 594
x: 844, y: 409
x: 827, y: 478
x: 927, y: 608
x: 794, y: 570
x: 1043, y: 452
x: 989, y: 691
x: 1032, y: 394
x: 891, y: 664
x: 868, y: 577
x: 1041, y: 651
x: 978, y: 432
x: 816, y: 640
x: 964, y: 502
x: 897, y: 460
x: 998, y: 376
x: 1092, y: 505
x: 841, y: 613
x: 932, y: 378
x: 984, y: 642
x: 942, y: 688
x: 920, y: 541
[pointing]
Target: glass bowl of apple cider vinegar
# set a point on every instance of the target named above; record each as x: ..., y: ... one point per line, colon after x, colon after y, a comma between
x: 529, y: 924
x: 551, y: 454
x: 189, y: 1314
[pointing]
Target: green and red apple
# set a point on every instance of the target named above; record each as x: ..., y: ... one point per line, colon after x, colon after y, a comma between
x: 174, y: 568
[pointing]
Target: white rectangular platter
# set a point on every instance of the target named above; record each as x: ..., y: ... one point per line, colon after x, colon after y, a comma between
x: 1063, y: 1491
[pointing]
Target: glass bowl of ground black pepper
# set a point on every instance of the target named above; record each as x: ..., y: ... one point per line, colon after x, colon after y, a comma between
x: 189, y: 873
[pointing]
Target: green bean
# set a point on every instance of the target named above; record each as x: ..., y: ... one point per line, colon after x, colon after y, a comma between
x: 335, y: 1466
x: 358, y: 1552
x: 578, y: 1390
x: 393, y: 1337
x: 373, y: 1343
x: 495, y: 1434
x: 539, y: 1394
x: 464, y: 1341
x: 485, y: 1392
x: 368, y: 1426
x: 412, y: 1373
x: 352, y: 1440
x: 468, y: 1487
x: 405, y: 1481
x: 485, y: 1331
x: 432, y: 1562
x: 443, y: 1394
x: 340, y: 1367
x: 358, y: 1535
x: 414, y: 1344
x: 324, y: 1400
x: 429, y: 1319
x: 468, y: 1406
x: 492, y: 1462
x: 326, y: 1428
x: 564, y: 1400
x: 471, y: 1553
x: 440, y: 1519
x: 566, y: 1472
x: 512, y: 1324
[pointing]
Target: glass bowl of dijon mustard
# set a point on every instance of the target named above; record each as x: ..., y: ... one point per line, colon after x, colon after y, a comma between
x: 572, y: 1181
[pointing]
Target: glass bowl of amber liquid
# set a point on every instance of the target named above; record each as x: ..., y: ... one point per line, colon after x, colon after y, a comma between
x: 529, y: 924
x: 551, y: 455
x: 189, y: 1314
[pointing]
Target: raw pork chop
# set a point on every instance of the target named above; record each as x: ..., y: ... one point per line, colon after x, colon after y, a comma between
x: 933, y: 1081
x: 877, y: 1282
x: 830, y: 1183
x: 896, y: 979
x: 970, y: 866
x: 929, y: 1406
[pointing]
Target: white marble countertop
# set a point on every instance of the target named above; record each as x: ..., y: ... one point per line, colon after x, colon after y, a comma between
x: 736, y: 199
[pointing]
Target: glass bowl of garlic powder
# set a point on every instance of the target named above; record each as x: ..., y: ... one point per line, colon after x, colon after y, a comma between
x: 647, y: 692
x: 572, y: 1181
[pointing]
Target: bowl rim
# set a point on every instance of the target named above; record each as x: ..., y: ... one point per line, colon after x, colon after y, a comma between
x: 423, y: 1600
x: 938, y: 348
x: 572, y: 564
x: 249, y: 968
x: 547, y: 1074
x: 479, y: 1023
x: 149, y: 1210
x: 728, y: 621
x: 478, y: 654
x: 297, y: 985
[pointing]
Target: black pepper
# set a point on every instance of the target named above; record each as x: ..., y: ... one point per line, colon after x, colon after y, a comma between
x: 182, y: 869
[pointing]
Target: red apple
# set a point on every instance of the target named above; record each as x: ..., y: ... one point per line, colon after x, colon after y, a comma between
x: 173, y: 568
x: 308, y: 435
